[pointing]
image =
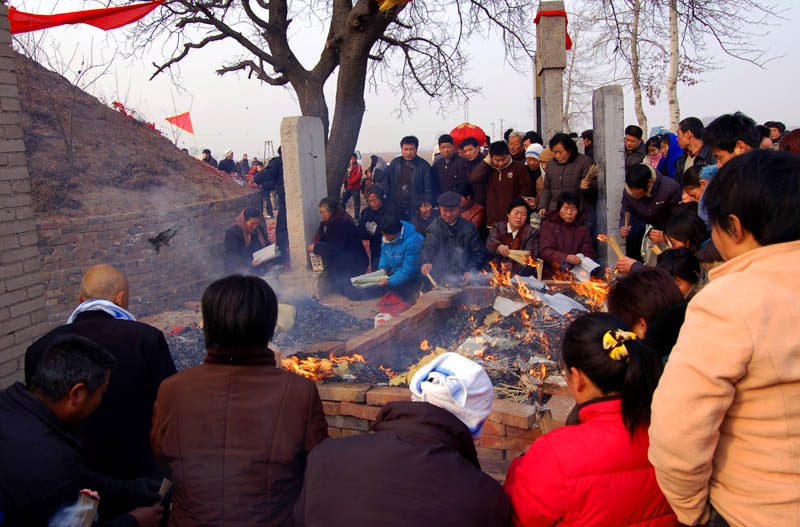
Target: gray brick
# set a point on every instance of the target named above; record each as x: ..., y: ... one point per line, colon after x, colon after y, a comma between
x: 13, y: 297
x: 17, y: 159
x: 28, y: 279
x: 28, y: 238
x: 11, y: 145
x: 15, y: 255
x: 31, y: 266
x: 17, y: 226
x: 26, y: 336
x: 9, y: 117
x: 9, y: 90
x: 15, y: 200
x: 8, y: 370
x: 23, y: 185
x: 24, y: 213
x: 27, y: 307
x: 8, y: 78
x: 39, y: 316
x: 9, y: 242
x: 9, y: 326
x: 14, y: 269
x: 5, y: 187
x: 13, y: 172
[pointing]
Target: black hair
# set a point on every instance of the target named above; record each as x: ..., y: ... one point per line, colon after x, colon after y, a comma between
x: 207, y: 151
x: 665, y: 139
x: 239, y: 311
x: 634, y: 131
x: 71, y: 360
x: 635, y: 377
x: 498, y: 148
x: 446, y: 138
x: 687, y: 227
x: 329, y: 203
x: 488, y: 140
x: 409, y: 140
x: 762, y: 189
x: 763, y: 130
x: 353, y: 155
x: 518, y: 202
x: 565, y: 141
x: 257, y: 163
x: 643, y: 294
x: 465, y: 189
x: 279, y: 151
x: 727, y: 130
x: 469, y: 141
x: 533, y: 137
x: 507, y: 133
x: 654, y: 141
x: 588, y: 134
x: 638, y: 176
x: 251, y: 212
x: 776, y: 124
x: 680, y: 263
x: 694, y: 125
x: 374, y: 190
x: 390, y: 224
x: 568, y: 197
x: 691, y: 178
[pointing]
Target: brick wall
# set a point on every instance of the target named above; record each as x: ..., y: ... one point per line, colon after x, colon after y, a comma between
x: 22, y: 302
x: 179, y: 272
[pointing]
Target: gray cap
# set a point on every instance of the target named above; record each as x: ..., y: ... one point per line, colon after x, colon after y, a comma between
x: 450, y: 199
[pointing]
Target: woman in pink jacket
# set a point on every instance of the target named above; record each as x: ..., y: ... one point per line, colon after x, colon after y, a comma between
x: 596, y: 473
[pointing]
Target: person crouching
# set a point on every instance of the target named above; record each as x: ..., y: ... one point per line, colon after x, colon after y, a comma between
x: 563, y: 235
x: 515, y: 234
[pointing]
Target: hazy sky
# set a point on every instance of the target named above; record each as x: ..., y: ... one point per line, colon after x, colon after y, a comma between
x: 242, y: 114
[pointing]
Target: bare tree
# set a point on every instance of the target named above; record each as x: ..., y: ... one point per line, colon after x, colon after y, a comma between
x: 416, y: 46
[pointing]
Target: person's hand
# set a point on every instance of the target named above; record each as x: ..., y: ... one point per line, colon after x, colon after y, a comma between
x: 310, y: 248
x: 541, y: 212
x: 624, y: 264
x: 657, y: 236
x: 383, y: 282
x: 148, y: 516
x: 502, y: 250
x: 465, y: 278
x: 585, y: 184
x: 426, y: 268
x: 145, y: 490
x: 531, y: 201
x: 507, y: 267
x: 573, y: 259
x: 625, y: 231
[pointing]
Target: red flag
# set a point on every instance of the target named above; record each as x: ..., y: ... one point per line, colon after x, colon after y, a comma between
x: 182, y: 121
x: 108, y: 18
x: 555, y: 13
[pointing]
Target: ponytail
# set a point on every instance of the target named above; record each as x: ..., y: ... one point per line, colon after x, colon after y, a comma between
x: 601, y: 346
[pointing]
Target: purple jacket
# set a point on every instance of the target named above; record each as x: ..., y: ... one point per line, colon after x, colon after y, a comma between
x: 558, y: 239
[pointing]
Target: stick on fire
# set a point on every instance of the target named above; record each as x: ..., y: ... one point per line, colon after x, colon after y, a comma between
x: 612, y: 242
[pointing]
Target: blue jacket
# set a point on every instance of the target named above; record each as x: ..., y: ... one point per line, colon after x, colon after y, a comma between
x: 667, y: 164
x: 401, y: 257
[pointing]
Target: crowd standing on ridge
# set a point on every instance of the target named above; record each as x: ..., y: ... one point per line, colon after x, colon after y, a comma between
x: 687, y: 389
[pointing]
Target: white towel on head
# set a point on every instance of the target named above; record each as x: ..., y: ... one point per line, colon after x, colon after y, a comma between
x: 458, y: 385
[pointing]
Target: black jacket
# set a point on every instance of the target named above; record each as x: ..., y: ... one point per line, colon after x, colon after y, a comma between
x: 635, y: 157
x: 42, y: 466
x: 271, y: 178
x: 338, y: 243
x: 421, y: 181
x: 704, y: 158
x: 419, y: 468
x: 211, y: 161
x: 229, y: 166
x: 375, y: 216
x: 117, y: 434
x: 453, y: 250
x: 238, y: 256
x: 448, y: 174
x: 420, y: 225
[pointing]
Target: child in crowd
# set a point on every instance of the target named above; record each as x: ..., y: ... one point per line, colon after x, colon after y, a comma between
x: 686, y: 229
x: 424, y: 217
x: 596, y: 473
x: 684, y: 267
x: 563, y: 235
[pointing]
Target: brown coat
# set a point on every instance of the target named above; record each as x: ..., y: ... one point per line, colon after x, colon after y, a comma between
x: 567, y: 178
x: 504, y: 185
x: 234, y: 433
x: 524, y: 241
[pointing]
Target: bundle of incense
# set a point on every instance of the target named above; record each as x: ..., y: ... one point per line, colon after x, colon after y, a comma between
x: 86, y: 508
x: 166, y: 484
x: 627, y: 219
x: 656, y: 249
x: 539, y: 268
x: 612, y: 242
x: 592, y: 173
x: 521, y: 257
x: 433, y: 282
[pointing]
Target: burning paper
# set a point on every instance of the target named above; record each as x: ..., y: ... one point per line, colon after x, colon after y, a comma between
x: 506, y: 306
x: 266, y: 254
x: 583, y: 271
x: 562, y: 304
x: 369, y: 279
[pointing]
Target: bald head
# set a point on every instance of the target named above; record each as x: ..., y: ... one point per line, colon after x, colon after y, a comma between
x: 105, y: 282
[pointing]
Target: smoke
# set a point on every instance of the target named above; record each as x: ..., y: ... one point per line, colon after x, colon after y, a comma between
x: 73, y: 515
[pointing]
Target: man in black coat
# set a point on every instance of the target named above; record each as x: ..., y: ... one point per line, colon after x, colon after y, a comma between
x: 452, y: 248
x: 43, y: 468
x: 450, y: 169
x: 419, y: 468
x: 228, y: 164
x: 208, y: 158
x: 408, y: 179
x: 273, y: 175
x: 117, y: 435
x: 635, y: 151
x: 371, y: 220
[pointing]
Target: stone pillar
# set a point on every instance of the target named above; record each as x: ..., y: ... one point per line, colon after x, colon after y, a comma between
x: 609, y: 154
x: 22, y: 302
x: 551, y: 59
x: 303, y: 151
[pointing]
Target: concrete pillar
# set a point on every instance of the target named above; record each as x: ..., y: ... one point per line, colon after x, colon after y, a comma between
x: 303, y: 151
x: 609, y: 154
x: 551, y: 59
x: 23, y: 317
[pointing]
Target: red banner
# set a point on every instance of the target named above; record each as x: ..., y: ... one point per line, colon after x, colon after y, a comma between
x: 108, y: 18
x: 556, y: 13
x: 182, y: 121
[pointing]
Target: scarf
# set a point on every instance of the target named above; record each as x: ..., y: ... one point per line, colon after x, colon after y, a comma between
x: 240, y: 221
x: 99, y: 304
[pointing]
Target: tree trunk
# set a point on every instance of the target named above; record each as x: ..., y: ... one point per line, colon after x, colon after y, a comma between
x: 637, y: 86
x: 672, y: 78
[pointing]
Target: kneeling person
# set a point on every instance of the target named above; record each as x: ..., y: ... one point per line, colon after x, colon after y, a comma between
x: 400, y: 257
x: 516, y: 234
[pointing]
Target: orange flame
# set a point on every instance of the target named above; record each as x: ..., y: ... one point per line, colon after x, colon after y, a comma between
x: 424, y: 345
x: 387, y: 371
x: 315, y: 368
x: 594, y: 290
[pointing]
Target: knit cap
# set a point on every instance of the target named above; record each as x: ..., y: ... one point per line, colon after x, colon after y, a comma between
x: 546, y: 155
x: 534, y: 150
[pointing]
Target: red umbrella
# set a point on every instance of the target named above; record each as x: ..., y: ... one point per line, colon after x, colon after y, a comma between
x: 465, y: 130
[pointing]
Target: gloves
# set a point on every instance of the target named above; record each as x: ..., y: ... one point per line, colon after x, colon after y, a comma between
x: 371, y: 227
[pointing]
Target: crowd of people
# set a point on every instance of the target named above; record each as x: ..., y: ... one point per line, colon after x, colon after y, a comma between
x: 686, y: 391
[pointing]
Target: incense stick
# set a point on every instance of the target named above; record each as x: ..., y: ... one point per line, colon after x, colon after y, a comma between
x: 433, y: 282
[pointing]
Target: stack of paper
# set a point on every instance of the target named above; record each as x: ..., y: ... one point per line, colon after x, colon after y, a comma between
x: 583, y: 271
x: 266, y: 254
x: 369, y: 279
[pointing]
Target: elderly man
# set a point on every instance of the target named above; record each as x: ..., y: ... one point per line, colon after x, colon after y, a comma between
x: 420, y: 466
x: 452, y: 248
x: 43, y: 460
x: 516, y: 147
x: 228, y: 164
x: 116, y: 435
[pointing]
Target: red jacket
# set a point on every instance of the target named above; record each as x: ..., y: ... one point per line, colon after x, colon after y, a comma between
x: 591, y: 474
x: 557, y: 239
x: 354, y: 178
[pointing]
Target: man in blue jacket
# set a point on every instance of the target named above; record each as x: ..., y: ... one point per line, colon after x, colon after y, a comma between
x: 400, y: 258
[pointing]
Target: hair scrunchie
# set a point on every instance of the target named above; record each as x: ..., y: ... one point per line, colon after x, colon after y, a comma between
x: 614, y: 343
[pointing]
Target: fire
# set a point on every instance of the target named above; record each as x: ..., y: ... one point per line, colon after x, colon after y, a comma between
x: 594, y: 290
x: 602, y: 238
x: 424, y: 346
x: 387, y: 371
x: 315, y: 368
x: 539, y: 372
